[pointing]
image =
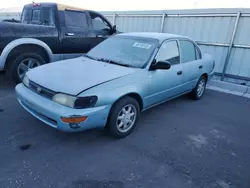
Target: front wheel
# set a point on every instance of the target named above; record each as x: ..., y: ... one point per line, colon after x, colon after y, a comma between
x: 199, y: 89
x: 123, y: 117
x: 24, y: 62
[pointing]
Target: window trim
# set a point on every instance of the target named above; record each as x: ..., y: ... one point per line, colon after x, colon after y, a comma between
x: 199, y: 52
x: 165, y: 41
x: 195, y: 46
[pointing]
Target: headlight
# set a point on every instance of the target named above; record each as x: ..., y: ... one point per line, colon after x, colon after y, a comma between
x: 65, y: 100
x: 75, y: 102
x: 26, y: 81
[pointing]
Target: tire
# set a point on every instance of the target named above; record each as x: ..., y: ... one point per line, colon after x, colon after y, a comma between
x: 199, y: 89
x: 15, y: 63
x: 125, y: 103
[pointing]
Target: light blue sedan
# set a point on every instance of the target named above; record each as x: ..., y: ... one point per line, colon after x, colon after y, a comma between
x: 115, y: 81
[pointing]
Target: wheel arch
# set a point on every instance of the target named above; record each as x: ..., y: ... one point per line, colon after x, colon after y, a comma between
x: 18, y: 43
x: 134, y: 95
x: 205, y: 75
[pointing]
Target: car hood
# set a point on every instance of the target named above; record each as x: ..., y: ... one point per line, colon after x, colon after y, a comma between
x: 73, y: 76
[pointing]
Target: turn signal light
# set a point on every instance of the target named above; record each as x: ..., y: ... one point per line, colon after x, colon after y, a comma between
x: 74, y: 119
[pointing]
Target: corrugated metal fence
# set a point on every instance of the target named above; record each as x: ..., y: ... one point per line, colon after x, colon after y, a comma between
x: 224, y: 33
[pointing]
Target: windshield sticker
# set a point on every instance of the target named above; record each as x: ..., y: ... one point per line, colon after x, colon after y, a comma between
x: 142, y: 45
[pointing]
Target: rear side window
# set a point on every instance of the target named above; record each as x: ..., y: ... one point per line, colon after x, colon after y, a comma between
x: 188, y: 51
x: 75, y: 19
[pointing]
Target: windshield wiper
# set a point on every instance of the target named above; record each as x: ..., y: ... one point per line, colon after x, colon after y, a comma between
x: 107, y: 61
x: 114, y: 62
x: 90, y: 57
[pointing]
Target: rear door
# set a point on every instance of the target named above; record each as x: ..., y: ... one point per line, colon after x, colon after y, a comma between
x: 191, y: 63
x: 100, y: 28
x: 75, y: 30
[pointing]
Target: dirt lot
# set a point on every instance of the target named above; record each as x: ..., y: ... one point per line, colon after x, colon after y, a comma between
x: 179, y: 144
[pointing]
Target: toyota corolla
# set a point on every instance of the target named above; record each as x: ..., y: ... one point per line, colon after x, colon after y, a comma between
x: 115, y: 81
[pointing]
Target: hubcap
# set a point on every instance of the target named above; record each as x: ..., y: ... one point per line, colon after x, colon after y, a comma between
x: 201, y: 87
x: 126, y: 118
x: 25, y: 65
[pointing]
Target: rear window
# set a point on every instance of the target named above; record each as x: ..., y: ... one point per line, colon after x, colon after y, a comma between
x: 39, y: 16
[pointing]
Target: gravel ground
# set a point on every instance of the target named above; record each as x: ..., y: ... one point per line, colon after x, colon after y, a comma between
x: 179, y: 144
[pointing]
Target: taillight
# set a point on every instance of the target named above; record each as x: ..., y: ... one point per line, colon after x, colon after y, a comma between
x: 213, y: 64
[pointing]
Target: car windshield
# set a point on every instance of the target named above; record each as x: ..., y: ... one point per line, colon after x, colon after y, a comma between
x: 124, y: 51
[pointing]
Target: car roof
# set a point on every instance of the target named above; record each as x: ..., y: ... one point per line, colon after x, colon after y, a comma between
x: 159, y: 36
x: 58, y: 5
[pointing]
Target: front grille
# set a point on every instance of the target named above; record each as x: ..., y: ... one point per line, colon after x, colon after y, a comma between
x: 41, y: 90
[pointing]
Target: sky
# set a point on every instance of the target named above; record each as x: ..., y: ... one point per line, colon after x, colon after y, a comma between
x: 109, y: 5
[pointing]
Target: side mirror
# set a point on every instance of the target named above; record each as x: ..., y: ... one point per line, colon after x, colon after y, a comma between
x: 164, y: 65
x: 114, y: 29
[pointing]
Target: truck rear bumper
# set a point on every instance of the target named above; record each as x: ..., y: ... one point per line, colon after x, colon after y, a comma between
x: 2, y: 62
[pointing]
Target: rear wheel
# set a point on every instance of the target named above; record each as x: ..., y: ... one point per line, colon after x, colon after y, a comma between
x: 123, y: 117
x: 21, y: 63
x: 199, y: 89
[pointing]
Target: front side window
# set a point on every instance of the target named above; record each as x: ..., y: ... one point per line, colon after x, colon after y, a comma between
x: 169, y: 52
x: 75, y: 19
x: 129, y: 51
x: 188, y: 51
x: 98, y: 22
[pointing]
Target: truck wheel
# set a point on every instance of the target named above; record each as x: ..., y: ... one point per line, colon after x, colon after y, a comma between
x: 123, y: 117
x: 22, y: 63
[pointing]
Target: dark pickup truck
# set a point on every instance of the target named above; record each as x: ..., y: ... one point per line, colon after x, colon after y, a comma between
x: 49, y: 32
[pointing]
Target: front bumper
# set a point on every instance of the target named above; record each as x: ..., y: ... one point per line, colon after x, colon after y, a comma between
x: 50, y: 112
x: 2, y: 62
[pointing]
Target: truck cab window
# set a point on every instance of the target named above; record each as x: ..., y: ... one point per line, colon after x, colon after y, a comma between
x: 26, y: 16
x: 36, y: 16
x: 75, y: 19
x: 98, y: 23
x: 39, y: 16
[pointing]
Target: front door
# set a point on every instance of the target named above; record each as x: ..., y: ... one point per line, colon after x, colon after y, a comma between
x: 165, y: 84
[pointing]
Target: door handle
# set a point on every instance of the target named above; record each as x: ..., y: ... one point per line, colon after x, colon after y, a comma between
x: 200, y: 67
x: 70, y: 34
x: 179, y: 73
x: 99, y: 36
